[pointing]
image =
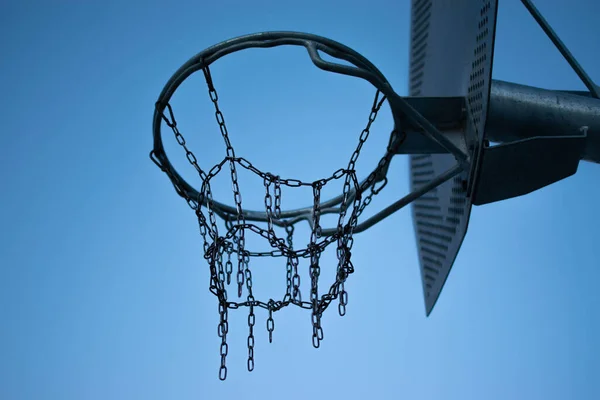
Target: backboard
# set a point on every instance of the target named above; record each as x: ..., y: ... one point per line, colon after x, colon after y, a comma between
x: 451, y: 52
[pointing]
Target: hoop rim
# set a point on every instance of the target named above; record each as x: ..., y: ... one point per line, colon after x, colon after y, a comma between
x: 362, y: 68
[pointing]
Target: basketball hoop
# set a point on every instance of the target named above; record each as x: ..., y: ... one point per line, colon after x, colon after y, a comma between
x: 221, y: 247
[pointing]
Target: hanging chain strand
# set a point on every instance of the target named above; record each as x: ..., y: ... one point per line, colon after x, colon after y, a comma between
x: 291, y: 267
x: 219, y: 249
x: 251, y: 322
x: 315, y: 269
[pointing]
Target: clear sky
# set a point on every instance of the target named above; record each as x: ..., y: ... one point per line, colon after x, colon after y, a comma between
x: 103, y: 289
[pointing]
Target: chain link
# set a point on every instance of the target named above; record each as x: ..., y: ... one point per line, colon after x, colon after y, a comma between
x: 270, y: 321
x: 219, y: 249
x: 229, y: 265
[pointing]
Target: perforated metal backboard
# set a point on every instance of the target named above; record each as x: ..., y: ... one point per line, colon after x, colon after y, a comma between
x: 452, y: 44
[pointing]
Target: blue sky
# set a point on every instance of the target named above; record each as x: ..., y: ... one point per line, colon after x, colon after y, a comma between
x: 103, y: 290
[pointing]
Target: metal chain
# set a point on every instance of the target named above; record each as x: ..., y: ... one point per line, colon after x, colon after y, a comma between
x: 277, y: 193
x: 223, y: 327
x: 229, y: 264
x: 251, y: 322
x: 217, y: 247
x: 291, y: 267
x: 237, y: 197
x: 315, y: 269
x: 270, y: 320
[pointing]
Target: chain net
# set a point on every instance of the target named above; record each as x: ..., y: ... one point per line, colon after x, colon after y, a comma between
x: 226, y: 252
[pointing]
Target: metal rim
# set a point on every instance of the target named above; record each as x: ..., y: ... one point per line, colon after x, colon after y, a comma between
x: 361, y: 68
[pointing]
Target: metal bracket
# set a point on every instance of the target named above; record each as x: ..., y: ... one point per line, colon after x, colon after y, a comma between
x: 517, y: 168
x: 447, y: 114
